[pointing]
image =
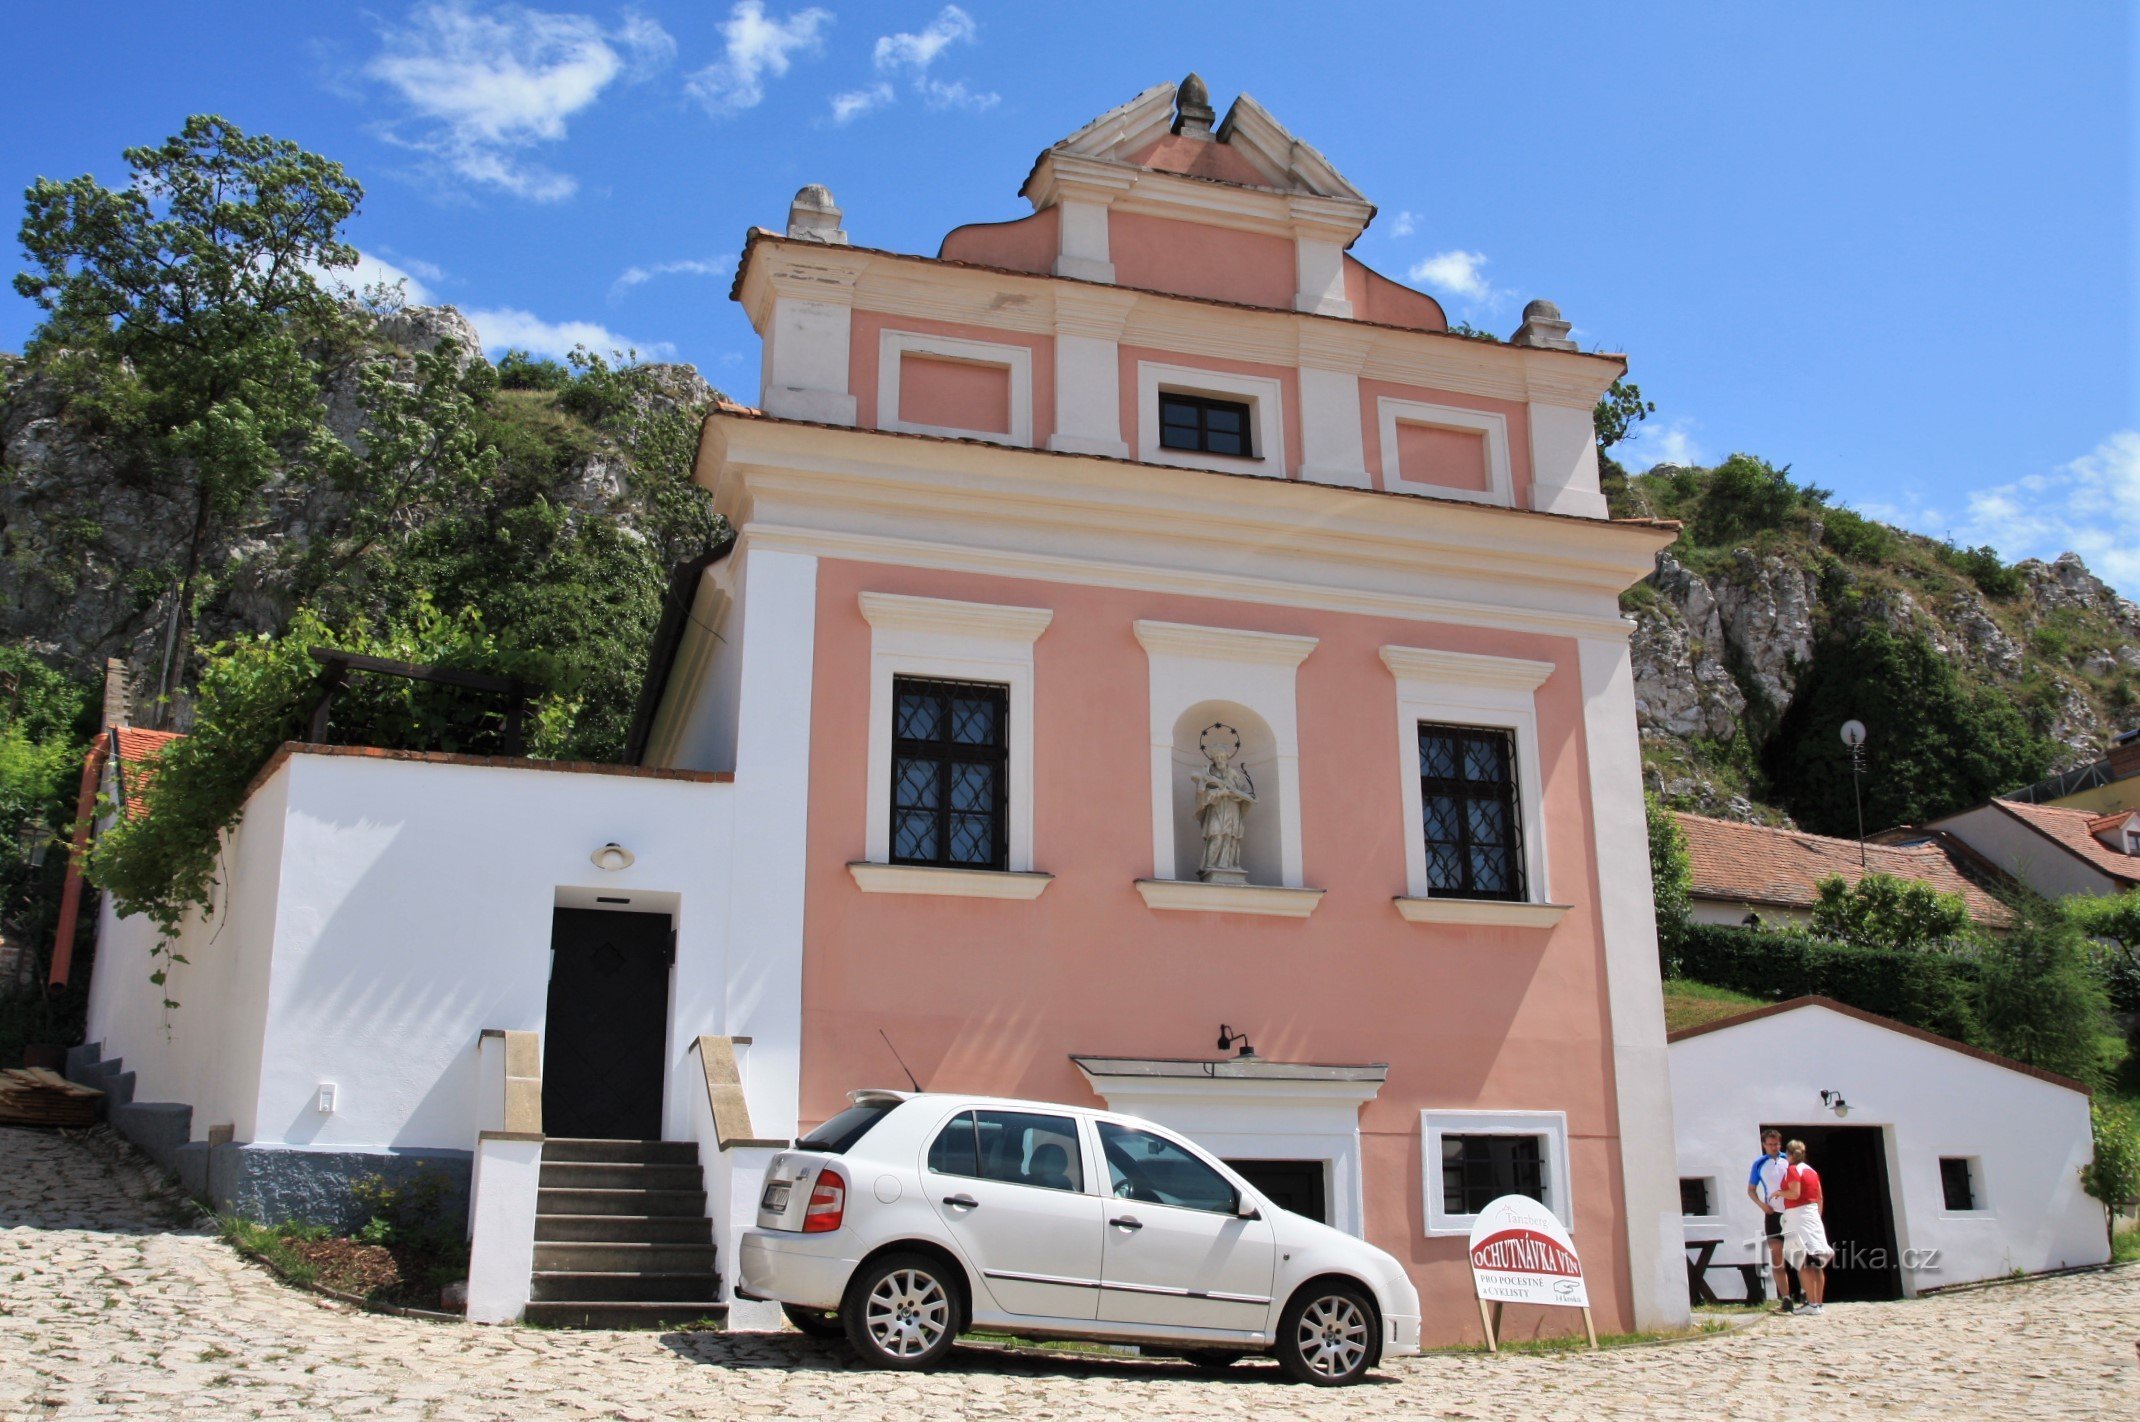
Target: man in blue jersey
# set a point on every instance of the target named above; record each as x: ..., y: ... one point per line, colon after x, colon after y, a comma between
x: 1764, y: 1186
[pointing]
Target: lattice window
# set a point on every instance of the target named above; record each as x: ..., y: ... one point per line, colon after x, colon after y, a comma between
x: 1469, y: 813
x: 1477, y: 1170
x: 950, y: 760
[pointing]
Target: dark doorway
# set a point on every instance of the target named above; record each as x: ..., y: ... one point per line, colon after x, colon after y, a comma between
x: 606, y: 1033
x: 1295, y: 1185
x: 1859, y: 1212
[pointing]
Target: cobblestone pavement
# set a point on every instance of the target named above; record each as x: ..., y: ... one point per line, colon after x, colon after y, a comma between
x: 111, y: 1310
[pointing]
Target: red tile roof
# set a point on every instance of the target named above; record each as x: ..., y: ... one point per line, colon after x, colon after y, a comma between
x: 2072, y: 831
x: 138, y: 750
x: 1754, y: 864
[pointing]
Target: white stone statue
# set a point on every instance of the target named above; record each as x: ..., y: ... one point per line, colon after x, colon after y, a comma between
x: 1223, y: 794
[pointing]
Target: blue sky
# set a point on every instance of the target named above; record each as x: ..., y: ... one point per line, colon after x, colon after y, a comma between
x: 1890, y: 245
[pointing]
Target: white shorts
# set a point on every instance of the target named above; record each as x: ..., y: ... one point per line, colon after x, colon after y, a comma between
x: 1805, y: 1238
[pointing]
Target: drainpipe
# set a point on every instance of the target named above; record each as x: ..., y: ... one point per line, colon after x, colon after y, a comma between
x: 70, y: 898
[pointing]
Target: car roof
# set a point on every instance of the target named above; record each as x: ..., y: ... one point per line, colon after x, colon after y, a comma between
x: 871, y: 1096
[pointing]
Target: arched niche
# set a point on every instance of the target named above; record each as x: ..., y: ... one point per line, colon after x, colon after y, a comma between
x: 1262, y: 847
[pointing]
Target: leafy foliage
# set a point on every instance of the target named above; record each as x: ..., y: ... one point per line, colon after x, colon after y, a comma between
x: 2113, y: 1175
x: 1671, y: 879
x: 1882, y: 911
x: 1934, y: 747
x: 1618, y: 411
x: 1935, y: 991
x: 1984, y: 568
x: 518, y: 370
x: 1745, y: 495
x: 2038, y: 1000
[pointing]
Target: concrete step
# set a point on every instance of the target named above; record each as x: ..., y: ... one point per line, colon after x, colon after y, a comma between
x: 567, y: 1286
x: 613, y: 1257
x: 623, y: 1229
x: 566, y: 1150
x: 576, y: 1176
x: 623, y: 1315
x: 584, y: 1201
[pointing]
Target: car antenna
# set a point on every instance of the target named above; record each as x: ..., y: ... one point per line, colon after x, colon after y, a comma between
x: 902, y: 1062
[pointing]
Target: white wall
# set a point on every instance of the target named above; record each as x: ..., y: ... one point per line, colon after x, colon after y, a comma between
x: 2031, y: 1137
x: 2022, y: 852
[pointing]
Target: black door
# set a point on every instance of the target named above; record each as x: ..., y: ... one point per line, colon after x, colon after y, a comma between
x: 1295, y: 1185
x: 1857, y: 1210
x: 607, y: 1030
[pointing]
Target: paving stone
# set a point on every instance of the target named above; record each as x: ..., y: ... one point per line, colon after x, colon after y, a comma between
x: 126, y: 1310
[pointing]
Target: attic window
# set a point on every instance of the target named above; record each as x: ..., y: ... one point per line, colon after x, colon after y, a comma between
x: 1199, y: 424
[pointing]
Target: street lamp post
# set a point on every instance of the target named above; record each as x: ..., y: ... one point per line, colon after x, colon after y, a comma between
x: 1854, y: 737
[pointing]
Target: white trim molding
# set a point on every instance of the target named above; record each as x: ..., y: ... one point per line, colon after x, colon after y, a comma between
x: 1200, y: 897
x: 1192, y: 665
x: 1500, y: 485
x: 1266, y: 417
x: 1470, y: 689
x: 1254, y: 1110
x: 1017, y: 360
x: 1480, y: 913
x: 960, y: 641
x: 1551, y: 1127
x: 952, y: 883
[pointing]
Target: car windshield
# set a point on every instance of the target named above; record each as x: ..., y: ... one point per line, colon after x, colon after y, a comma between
x: 838, y: 1135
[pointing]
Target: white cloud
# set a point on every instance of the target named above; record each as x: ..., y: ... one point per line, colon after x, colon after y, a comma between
x: 371, y: 271
x: 1403, y: 225
x: 508, y: 327
x: 486, y: 85
x: 909, y: 55
x: 2089, y: 506
x: 857, y: 102
x: 755, y: 48
x: 1656, y: 442
x: 1460, y: 274
x: 911, y: 51
x: 640, y: 276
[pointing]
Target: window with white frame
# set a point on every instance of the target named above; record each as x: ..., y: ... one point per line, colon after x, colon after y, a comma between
x: 994, y: 380
x: 1238, y: 420
x: 1961, y: 1184
x: 1468, y: 756
x: 1697, y: 1196
x: 1426, y: 432
x: 1471, y: 1158
x: 950, y: 767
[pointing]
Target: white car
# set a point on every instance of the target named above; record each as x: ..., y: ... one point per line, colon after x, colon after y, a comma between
x: 910, y: 1218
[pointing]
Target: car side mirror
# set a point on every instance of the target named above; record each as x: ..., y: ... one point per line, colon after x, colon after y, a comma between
x: 1246, y: 1209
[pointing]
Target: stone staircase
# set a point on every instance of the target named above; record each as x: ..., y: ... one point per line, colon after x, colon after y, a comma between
x: 621, y: 1237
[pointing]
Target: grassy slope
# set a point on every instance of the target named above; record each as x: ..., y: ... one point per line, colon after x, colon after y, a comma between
x: 1690, y: 1004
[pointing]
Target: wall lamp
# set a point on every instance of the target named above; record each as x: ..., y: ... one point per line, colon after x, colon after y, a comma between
x: 1227, y: 1037
x: 612, y: 856
x: 1834, y: 1101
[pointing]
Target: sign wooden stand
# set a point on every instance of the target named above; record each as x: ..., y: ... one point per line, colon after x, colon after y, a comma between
x: 1491, y: 1322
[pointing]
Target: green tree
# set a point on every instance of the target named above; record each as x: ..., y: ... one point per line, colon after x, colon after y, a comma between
x: 2113, y: 1173
x: 1671, y: 881
x: 2113, y: 924
x: 1618, y: 411
x: 1933, y: 747
x: 2039, y: 1001
x: 1743, y: 496
x: 1882, y: 911
x: 182, y: 319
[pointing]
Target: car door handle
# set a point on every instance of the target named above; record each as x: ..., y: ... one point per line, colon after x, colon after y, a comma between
x: 1126, y: 1222
x: 964, y: 1202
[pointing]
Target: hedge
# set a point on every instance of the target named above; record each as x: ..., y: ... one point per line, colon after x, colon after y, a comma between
x: 1923, y: 987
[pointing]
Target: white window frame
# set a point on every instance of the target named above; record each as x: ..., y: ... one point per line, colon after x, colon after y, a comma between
x: 1977, y: 1191
x: 894, y: 346
x: 1470, y: 689
x: 1716, y: 1200
x: 1549, y: 1126
x: 1500, y: 484
x: 955, y: 641
x: 1266, y: 417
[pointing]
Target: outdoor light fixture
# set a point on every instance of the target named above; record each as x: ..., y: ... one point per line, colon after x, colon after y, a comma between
x: 1834, y: 1101
x: 35, y: 839
x: 612, y: 856
x: 1227, y: 1037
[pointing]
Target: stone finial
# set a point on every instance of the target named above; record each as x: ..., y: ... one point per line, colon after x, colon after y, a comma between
x: 1543, y: 328
x: 815, y: 217
x: 1193, y: 114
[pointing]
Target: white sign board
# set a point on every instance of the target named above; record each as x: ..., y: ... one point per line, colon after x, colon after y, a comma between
x: 1521, y: 1254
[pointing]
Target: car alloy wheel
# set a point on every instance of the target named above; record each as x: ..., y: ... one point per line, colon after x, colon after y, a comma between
x: 1327, y: 1337
x: 901, y: 1314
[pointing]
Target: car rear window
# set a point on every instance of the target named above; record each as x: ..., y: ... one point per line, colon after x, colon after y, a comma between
x: 838, y: 1135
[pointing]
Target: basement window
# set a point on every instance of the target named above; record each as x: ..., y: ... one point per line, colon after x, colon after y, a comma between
x: 1958, y: 1185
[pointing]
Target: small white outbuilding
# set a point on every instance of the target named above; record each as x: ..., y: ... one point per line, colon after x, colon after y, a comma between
x: 1942, y: 1164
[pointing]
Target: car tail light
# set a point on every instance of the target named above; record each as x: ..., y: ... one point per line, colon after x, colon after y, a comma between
x: 828, y: 1203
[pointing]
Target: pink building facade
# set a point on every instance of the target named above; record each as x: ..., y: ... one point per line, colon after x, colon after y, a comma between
x: 1024, y: 531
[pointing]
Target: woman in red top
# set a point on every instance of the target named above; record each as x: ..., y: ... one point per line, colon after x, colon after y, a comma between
x: 1805, y: 1236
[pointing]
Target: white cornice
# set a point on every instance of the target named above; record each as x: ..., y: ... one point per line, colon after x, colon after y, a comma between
x: 1191, y: 896
x: 1467, y: 668
x: 1225, y: 644
x: 949, y: 883
x: 1480, y: 913
x: 966, y: 619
